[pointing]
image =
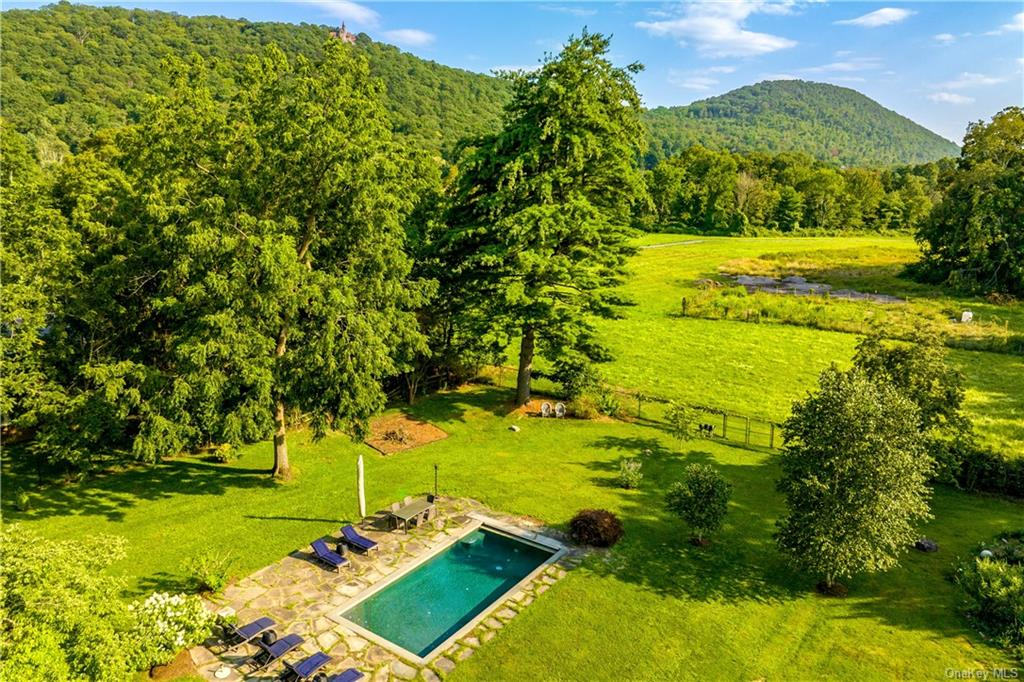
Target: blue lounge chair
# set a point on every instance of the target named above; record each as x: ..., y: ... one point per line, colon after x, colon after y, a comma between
x: 356, y: 541
x: 350, y: 675
x: 269, y: 654
x: 325, y: 555
x: 237, y: 636
x: 306, y: 668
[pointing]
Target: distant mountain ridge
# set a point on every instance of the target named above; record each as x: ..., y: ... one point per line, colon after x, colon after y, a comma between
x: 827, y: 121
x: 71, y: 70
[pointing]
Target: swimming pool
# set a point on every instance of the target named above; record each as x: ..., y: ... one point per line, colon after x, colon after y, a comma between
x: 424, y: 608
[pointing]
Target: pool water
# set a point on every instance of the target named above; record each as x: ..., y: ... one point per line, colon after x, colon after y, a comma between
x: 422, y: 609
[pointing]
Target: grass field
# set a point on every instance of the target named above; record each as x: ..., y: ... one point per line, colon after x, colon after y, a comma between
x: 656, y: 609
x: 760, y: 368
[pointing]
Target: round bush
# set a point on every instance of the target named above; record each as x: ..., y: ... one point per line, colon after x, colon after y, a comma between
x: 596, y: 527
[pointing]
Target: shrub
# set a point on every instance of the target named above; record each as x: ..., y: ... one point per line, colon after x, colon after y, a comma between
x: 701, y: 499
x: 993, y: 590
x: 609, y: 404
x: 22, y: 500
x: 971, y: 466
x: 629, y: 472
x: 224, y: 453
x: 577, y: 377
x: 596, y: 527
x: 208, y: 572
x: 166, y: 624
x: 680, y: 419
x: 583, y: 408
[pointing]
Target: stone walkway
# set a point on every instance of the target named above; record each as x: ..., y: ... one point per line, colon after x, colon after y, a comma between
x: 299, y: 594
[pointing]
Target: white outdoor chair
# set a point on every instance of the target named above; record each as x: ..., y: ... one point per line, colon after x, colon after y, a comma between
x: 559, y: 410
x: 545, y: 409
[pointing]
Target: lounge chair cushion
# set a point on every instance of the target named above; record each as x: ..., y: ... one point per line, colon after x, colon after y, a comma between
x: 326, y: 555
x: 350, y: 675
x: 250, y: 630
x: 282, y: 646
x: 353, y: 537
x: 307, y: 666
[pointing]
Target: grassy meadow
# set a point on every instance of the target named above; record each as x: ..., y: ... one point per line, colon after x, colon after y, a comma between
x: 654, y: 608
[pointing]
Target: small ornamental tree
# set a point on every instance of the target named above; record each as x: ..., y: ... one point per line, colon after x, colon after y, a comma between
x: 701, y: 499
x: 854, y: 476
x: 680, y: 419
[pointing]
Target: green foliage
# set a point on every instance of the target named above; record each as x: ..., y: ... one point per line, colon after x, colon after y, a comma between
x: 540, y: 208
x: 209, y: 572
x: 974, y: 238
x: 596, y: 527
x: 680, y: 419
x: 577, y: 377
x: 826, y: 121
x: 629, y: 473
x: 608, y: 404
x: 723, y: 192
x: 854, y: 477
x: 701, y: 499
x: 58, y: 619
x: 72, y: 70
x: 164, y: 625
x: 993, y: 590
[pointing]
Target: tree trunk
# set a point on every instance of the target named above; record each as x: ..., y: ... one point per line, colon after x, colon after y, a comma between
x: 525, y: 366
x: 281, y: 466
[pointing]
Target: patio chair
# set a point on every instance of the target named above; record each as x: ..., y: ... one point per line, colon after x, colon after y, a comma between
x: 326, y: 556
x: 393, y: 520
x: 559, y: 410
x: 235, y: 637
x: 268, y: 654
x: 304, y: 669
x: 407, y: 500
x: 545, y: 409
x: 356, y: 541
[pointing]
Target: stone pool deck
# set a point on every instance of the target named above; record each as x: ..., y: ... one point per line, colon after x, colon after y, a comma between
x: 300, y: 594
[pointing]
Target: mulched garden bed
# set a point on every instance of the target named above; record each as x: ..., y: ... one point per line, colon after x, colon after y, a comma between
x: 399, y: 432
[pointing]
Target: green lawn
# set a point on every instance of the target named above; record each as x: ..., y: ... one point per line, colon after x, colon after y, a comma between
x: 760, y: 368
x: 655, y: 609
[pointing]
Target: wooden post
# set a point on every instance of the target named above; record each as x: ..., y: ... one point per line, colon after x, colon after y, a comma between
x: 725, y: 425
x: 746, y: 435
x: 771, y: 436
x: 362, y: 492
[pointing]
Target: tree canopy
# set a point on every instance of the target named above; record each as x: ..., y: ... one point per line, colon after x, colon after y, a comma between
x: 541, y: 208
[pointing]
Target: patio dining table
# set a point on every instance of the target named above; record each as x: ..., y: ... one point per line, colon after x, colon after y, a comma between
x: 413, y: 510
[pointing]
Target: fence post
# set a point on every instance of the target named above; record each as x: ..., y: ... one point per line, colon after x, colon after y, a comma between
x: 725, y: 426
x: 746, y: 437
x: 771, y: 437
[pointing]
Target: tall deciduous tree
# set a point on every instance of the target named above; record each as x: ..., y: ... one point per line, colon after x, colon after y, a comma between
x: 252, y: 257
x: 541, y: 208
x: 975, y: 235
x: 854, y: 477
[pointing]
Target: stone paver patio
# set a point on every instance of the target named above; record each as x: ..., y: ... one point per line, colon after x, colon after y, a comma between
x: 299, y: 594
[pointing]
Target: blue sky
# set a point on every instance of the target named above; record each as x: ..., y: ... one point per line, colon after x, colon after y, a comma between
x: 942, y: 64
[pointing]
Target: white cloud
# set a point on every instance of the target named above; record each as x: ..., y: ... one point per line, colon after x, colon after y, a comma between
x: 575, y: 11
x: 950, y: 98
x: 850, y: 65
x: 944, y: 38
x: 970, y: 80
x: 346, y: 10
x: 1016, y: 24
x: 780, y: 77
x: 880, y: 17
x: 843, y: 53
x: 410, y: 36
x: 697, y: 79
x: 716, y: 29
x: 846, y: 79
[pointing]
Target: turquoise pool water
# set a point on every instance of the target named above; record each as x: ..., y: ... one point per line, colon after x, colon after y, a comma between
x: 425, y: 607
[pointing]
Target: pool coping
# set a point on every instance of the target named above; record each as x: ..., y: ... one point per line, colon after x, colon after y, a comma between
x: 557, y: 549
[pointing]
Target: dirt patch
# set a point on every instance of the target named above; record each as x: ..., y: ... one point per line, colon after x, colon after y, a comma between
x: 533, y: 408
x: 181, y: 666
x: 399, y: 432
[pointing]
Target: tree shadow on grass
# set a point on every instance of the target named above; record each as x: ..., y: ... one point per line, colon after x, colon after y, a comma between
x: 454, y: 405
x: 110, y: 496
x: 741, y: 564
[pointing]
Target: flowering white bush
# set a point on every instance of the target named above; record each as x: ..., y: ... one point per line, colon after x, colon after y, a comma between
x: 166, y: 624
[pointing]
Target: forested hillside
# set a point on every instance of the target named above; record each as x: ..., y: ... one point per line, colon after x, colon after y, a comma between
x: 825, y: 121
x: 70, y: 70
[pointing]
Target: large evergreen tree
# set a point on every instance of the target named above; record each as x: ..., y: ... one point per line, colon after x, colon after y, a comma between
x: 541, y: 207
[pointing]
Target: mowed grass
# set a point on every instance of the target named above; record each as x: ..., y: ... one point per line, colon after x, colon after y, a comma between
x: 761, y: 368
x: 654, y: 608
